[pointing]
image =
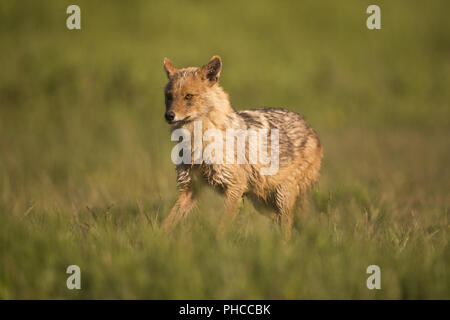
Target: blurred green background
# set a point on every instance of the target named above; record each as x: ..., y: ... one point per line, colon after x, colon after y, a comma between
x: 85, y: 169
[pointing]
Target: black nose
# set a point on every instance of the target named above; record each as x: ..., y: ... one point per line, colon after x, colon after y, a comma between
x: 169, y: 115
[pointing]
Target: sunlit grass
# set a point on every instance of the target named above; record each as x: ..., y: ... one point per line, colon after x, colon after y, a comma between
x: 85, y: 170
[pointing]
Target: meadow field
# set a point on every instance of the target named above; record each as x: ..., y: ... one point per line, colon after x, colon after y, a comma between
x: 86, y: 176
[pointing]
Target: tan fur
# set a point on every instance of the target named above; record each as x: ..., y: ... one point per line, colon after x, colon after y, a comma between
x: 300, y: 149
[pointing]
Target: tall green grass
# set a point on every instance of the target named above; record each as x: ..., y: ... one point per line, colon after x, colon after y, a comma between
x: 85, y: 170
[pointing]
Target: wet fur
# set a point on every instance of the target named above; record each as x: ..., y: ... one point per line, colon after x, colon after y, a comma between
x: 300, y: 151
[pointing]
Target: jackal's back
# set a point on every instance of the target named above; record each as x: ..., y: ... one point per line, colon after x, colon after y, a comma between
x: 296, y: 137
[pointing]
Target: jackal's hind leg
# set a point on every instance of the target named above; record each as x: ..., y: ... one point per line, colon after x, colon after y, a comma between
x: 285, y: 198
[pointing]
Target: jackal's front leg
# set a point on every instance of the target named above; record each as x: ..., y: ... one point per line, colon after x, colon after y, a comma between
x: 183, y: 206
x: 232, y: 202
x: 185, y: 202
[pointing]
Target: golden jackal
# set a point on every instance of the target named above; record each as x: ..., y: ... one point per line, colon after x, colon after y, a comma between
x: 194, y: 95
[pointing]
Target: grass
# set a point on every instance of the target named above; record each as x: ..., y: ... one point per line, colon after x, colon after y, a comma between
x: 85, y: 170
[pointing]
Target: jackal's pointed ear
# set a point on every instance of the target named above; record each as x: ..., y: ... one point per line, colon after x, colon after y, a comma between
x: 169, y: 68
x: 211, y: 70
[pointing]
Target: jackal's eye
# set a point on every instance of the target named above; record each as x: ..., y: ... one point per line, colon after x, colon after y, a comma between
x: 169, y: 96
x: 188, y: 96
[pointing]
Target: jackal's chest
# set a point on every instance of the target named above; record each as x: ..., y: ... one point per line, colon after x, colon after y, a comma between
x: 214, y: 175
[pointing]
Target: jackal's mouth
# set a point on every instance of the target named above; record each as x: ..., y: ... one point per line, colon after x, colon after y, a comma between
x: 179, y: 122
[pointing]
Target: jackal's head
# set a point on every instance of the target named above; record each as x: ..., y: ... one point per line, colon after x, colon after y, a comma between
x: 192, y: 92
